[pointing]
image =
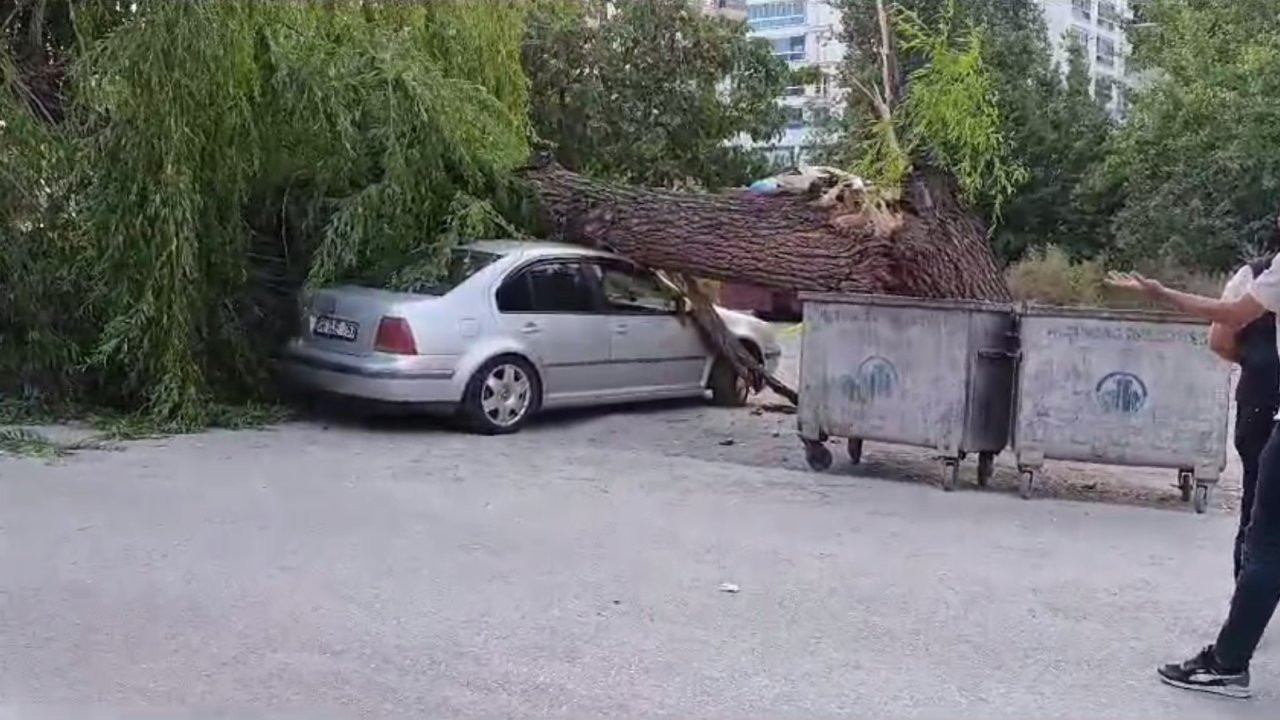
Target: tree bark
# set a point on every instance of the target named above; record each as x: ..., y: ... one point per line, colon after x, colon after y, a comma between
x: 939, y: 249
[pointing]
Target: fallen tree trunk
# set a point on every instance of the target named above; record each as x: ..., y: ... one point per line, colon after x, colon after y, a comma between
x: 937, y: 250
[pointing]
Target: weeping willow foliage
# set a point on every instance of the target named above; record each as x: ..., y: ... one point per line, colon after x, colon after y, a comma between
x: 41, y: 271
x: 220, y: 154
x: 952, y: 107
x: 949, y: 116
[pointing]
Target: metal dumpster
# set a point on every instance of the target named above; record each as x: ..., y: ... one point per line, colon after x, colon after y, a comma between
x: 929, y: 373
x: 1121, y: 388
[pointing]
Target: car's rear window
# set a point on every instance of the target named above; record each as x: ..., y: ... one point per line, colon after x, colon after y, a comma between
x: 463, y: 263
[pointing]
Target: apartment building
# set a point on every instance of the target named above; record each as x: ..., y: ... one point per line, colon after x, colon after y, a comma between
x: 805, y: 33
x: 1100, y: 27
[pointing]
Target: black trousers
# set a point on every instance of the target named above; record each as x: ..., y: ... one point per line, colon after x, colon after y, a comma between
x: 1253, y: 429
x: 1258, y: 584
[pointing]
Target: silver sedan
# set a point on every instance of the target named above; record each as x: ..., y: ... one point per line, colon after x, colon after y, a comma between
x: 513, y: 328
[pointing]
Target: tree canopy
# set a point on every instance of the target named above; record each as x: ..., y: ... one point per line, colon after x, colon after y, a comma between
x: 1194, y: 175
x: 651, y: 91
x: 1052, y: 129
x: 210, y: 157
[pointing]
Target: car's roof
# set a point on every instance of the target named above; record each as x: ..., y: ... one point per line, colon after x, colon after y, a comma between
x: 535, y: 248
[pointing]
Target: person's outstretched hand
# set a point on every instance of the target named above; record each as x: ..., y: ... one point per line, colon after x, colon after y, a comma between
x: 1150, y: 289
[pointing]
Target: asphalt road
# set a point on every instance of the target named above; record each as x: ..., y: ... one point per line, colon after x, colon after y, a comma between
x: 574, y: 571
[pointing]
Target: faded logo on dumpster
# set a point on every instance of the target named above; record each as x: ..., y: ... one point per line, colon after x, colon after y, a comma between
x: 876, y: 379
x: 1121, y: 393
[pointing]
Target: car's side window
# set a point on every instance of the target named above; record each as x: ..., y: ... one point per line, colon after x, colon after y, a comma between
x: 558, y: 287
x: 628, y: 290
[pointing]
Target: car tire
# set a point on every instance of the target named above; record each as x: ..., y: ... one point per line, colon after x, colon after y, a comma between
x: 501, y: 396
x: 727, y: 388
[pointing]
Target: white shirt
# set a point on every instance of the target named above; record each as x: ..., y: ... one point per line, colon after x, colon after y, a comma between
x: 1266, y: 287
x: 1238, y: 285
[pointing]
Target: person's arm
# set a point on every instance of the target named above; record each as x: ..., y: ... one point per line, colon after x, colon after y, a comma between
x: 1223, y: 340
x: 1235, y: 314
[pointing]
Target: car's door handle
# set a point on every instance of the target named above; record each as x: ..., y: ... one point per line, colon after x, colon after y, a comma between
x: 620, y: 329
x: 531, y: 329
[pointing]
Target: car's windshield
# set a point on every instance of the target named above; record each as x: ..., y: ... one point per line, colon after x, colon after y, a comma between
x: 463, y: 263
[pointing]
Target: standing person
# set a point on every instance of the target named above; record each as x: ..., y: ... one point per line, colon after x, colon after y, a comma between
x: 1258, y: 390
x: 1223, y: 667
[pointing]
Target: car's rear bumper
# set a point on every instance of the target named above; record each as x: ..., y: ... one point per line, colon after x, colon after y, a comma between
x: 416, y: 381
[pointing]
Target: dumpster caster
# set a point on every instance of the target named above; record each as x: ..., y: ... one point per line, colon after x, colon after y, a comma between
x: 818, y: 456
x: 855, y: 451
x: 950, y: 474
x: 1024, y: 485
x: 1186, y: 484
x: 986, y: 468
x: 1201, y: 500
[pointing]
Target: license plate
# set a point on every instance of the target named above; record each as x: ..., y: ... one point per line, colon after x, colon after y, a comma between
x: 335, y: 328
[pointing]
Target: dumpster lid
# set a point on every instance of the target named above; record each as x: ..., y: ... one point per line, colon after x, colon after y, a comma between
x: 903, y: 301
x: 1099, y: 313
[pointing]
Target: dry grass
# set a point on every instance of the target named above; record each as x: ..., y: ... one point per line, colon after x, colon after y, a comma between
x: 1050, y: 277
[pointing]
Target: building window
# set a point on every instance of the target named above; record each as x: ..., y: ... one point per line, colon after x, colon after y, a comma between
x: 793, y: 91
x: 1080, y: 36
x: 1106, y: 55
x: 767, y: 16
x: 1082, y: 9
x: 790, y: 49
x: 1108, y: 15
x: 795, y: 117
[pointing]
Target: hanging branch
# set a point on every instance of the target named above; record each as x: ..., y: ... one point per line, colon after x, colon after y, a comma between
x: 717, y: 336
x: 888, y: 58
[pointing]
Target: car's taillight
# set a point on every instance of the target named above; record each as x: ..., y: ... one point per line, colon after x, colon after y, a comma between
x: 395, y: 337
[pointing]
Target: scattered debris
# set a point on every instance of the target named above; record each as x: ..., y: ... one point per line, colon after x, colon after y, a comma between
x: 22, y: 442
x: 729, y: 588
x: 782, y: 408
x: 728, y: 441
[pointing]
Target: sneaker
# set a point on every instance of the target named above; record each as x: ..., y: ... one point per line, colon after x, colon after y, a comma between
x: 1204, y: 673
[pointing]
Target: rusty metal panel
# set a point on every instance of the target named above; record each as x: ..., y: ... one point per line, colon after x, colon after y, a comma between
x: 1122, y: 388
x: 914, y: 372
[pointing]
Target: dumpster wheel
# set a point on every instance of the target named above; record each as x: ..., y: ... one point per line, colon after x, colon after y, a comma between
x: 1024, y: 485
x: 1186, y: 484
x: 855, y: 451
x: 950, y: 474
x: 818, y: 456
x: 1201, y: 499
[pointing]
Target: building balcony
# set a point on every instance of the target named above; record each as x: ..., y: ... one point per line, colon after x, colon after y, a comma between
x: 776, y: 23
